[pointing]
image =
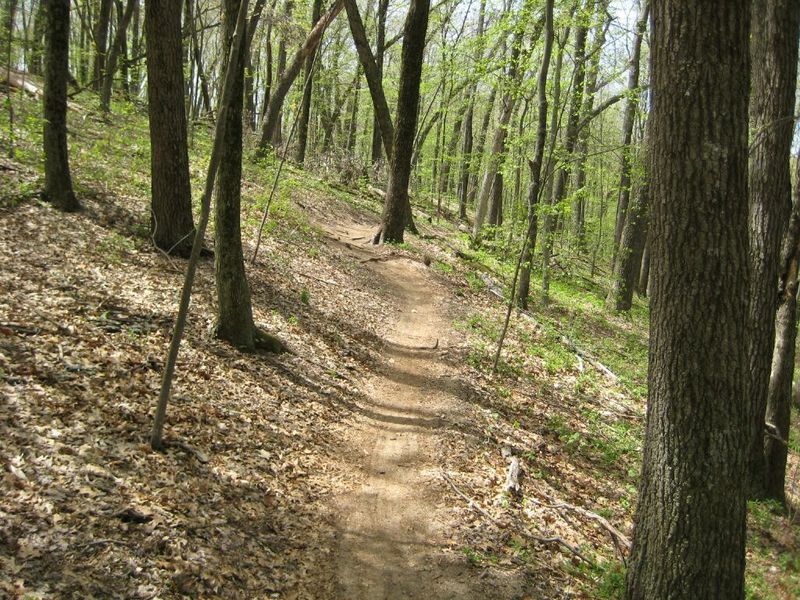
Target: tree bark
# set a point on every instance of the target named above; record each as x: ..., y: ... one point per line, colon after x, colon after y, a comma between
x: 689, y: 530
x: 37, y: 43
x: 171, y: 225
x: 582, y: 150
x: 113, y: 56
x: 779, y: 397
x: 497, y: 155
x: 57, y: 178
x: 380, y: 41
x: 773, y: 53
x: 234, y: 310
x: 101, y: 42
x: 535, y: 165
x: 629, y: 261
x: 466, y: 149
x: 373, y: 75
x: 631, y: 104
x: 305, y: 110
x: 278, y: 95
x: 397, y: 208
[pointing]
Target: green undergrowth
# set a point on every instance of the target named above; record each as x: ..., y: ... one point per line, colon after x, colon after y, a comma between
x: 111, y: 156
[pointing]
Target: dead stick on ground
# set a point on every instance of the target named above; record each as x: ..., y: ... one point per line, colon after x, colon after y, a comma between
x: 523, y: 530
x: 621, y: 542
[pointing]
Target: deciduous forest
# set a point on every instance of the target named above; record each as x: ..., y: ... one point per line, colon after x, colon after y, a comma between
x: 437, y: 299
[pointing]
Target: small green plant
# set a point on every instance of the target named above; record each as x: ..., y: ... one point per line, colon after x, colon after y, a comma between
x: 443, y: 267
x: 475, y: 283
x: 474, y: 557
x: 116, y: 247
x: 305, y: 296
x: 611, y: 581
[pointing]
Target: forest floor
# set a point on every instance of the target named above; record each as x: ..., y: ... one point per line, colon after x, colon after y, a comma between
x: 369, y: 462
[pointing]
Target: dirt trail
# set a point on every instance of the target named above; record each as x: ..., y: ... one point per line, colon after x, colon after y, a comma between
x: 393, y: 540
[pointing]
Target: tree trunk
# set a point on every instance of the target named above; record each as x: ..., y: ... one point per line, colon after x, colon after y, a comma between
x: 352, y: 127
x: 277, y: 133
x: 547, y: 217
x: 197, y: 55
x: 582, y: 151
x: 234, y: 310
x: 535, y: 186
x: 397, y: 208
x: 779, y: 397
x: 380, y: 41
x: 37, y: 43
x: 576, y: 103
x: 773, y: 54
x: 305, y: 110
x: 450, y: 151
x: 466, y: 149
x: 631, y: 104
x: 466, y: 160
x: 497, y: 154
x: 171, y: 224
x: 113, y: 56
x: 101, y: 42
x: 629, y: 261
x: 373, y: 74
x: 135, y: 70
x: 644, y: 273
x: 690, y: 521
x: 278, y: 95
x: 57, y: 179
x: 477, y: 155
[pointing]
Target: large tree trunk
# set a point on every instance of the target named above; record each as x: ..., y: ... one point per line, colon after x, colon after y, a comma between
x: 397, y: 208
x: 278, y: 95
x: 631, y: 105
x: 57, y: 179
x: 373, y: 74
x: 234, y: 311
x: 689, y: 530
x: 535, y: 186
x: 305, y: 110
x: 171, y: 222
x: 774, y: 58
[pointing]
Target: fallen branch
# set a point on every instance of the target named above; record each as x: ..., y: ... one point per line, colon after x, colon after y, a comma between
x: 316, y: 278
x: 181, y: 445
x: 590, y: 359
x: 621, y: 542
x: 521, y: 529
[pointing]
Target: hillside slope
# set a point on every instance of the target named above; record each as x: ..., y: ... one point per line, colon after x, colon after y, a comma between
x: 372, y: 457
